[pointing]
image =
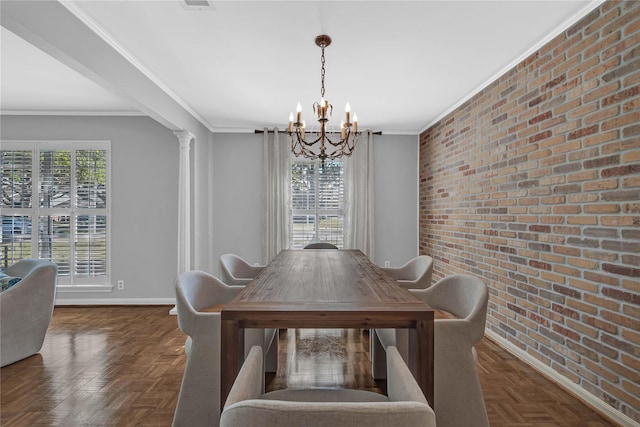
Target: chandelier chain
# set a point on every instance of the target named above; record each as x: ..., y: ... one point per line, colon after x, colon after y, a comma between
x: 322, y: 74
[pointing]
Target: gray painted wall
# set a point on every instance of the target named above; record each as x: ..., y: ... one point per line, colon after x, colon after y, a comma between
x: 227, y: 189
x: 237, y: 198
x: 144, y: 179
x: 396, y: 198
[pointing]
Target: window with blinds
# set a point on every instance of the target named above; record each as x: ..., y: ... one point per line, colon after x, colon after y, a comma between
x: 317, y: 203
x: 55, y: 205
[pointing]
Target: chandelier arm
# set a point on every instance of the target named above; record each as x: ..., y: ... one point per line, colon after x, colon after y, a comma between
x: 308, y: 144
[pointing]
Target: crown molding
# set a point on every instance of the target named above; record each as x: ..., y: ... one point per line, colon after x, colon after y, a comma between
x: 68, y: 113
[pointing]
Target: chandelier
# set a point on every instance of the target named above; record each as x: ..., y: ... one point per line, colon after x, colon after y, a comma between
x: 315, y: 143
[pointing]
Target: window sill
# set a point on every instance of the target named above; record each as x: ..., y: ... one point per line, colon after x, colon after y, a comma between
x: 84, y: 288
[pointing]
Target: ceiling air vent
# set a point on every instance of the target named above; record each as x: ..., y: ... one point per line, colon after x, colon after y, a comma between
x: 197, y: 5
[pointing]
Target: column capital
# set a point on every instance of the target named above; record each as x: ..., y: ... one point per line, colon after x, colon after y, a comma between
x: 184, y: 137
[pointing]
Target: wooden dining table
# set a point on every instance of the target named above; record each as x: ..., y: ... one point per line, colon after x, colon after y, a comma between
x: 326, y: 288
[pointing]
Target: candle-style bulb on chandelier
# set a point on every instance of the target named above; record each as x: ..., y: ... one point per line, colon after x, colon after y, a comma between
x: 315, y: 143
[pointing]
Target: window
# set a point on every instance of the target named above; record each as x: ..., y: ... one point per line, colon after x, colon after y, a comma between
x: 317, y: 203
x: 55, y: 205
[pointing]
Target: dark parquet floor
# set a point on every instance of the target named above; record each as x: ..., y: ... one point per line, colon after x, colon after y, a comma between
x: 122, y: 366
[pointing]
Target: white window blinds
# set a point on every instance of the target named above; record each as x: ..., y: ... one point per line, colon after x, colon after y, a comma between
x: 69, y: 222
x: 317, y: 203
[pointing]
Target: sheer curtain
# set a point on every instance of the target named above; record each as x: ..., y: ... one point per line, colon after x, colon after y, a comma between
x: 359, y: 197
x: 275, y: 198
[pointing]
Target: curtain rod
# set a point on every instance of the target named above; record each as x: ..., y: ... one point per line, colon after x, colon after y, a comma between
x: 284, y: 131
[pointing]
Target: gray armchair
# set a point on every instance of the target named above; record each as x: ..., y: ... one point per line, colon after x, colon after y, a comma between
x: 199, y: 300
x: 415, y: 274
x: 404, y: 406
x: 457, y: 392
x: 26, y: 309
x: 236, y: 271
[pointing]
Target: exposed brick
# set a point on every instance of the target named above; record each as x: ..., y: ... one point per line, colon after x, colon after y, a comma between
x: 621, y: 96
x: 631, y: 374
x: 600, y: 371
x: 601, y: 208
x: 567, y: 291
x: 631, y: 195
x: 621, y: 295
x: 620, y: 171
x: 552, y: 355
x: 601, y: 302
x: 601, y: 278
x: 630, y: 131
x: 581, y: 349
x: 565, y: 311
x: 583, y: 132
x: 621, y: 71
x: 620, y: 345
x: 622, y: 320
x: 622, y: 270
x: 540, y: 228
x: 566, y: 332
x: 632, y: 260
x: 600, y: 348
x: 589, y: 243
x: 569, y: 188
x: 601, y: 232
x: 534, y: 185
x: 601, y: 162
x: 600, y: 324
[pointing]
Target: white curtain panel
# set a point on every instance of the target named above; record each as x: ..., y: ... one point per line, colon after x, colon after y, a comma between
x: 358, y: 222
x: 275, y: 199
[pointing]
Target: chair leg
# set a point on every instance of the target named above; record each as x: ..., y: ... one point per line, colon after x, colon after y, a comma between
x: 271, y: 357
x: 378, y: 357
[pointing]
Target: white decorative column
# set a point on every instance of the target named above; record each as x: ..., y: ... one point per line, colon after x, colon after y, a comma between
x: 184, y: 202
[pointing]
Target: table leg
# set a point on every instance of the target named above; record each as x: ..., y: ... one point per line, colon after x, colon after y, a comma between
x: 231, y: 351
x: 425, y: 358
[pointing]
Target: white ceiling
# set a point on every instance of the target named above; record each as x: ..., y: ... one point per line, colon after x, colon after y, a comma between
x: 244, y: 65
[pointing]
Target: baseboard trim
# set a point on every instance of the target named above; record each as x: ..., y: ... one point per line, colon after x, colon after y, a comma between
x: 115, y: 301
x: 584, y: 396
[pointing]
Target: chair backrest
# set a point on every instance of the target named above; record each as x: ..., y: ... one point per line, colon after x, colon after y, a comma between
x: 235, y: 270
x: 26, y: 308
x: 414, y: 274
x: 405, y: 406
x: 199, y: 398
x: 195, y: 291
x: 422, y: 270
x: 320, y: 245
x: 464, y: 296
x: 25, y: 266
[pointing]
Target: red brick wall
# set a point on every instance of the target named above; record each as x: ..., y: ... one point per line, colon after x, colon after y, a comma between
x: 534, y: 185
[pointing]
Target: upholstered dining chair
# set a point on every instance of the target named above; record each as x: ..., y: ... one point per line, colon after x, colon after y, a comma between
x: 457, y: 393
x: 235, y: 270
x: 404, y: 405
x: 199, y: 300
x: 415, y: 274
x: 321, y: 245
x: 26, y: 308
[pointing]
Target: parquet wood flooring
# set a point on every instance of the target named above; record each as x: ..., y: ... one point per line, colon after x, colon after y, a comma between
x: 122, y: 366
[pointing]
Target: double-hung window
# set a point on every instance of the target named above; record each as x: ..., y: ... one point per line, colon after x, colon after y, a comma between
x: 317, y: 203
x: 55, y: 205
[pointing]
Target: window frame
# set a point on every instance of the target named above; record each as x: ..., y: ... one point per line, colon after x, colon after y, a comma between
x: 316, y: 211
x: 73, y: 282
